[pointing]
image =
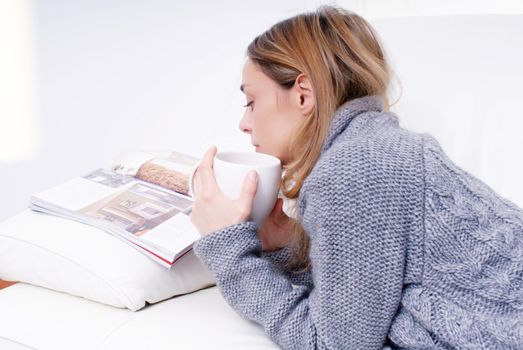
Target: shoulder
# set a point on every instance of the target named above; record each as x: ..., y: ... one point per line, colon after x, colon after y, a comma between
x: 380, y: 152
x: 375, y: 174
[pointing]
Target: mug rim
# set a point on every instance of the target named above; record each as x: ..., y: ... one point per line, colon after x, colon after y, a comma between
x: 271, y: 160
x: 276, y: 162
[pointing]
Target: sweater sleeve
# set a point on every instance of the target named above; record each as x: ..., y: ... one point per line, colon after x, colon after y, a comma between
x: 279, y: 258
x: 357, y: 255
x: 255, y: 288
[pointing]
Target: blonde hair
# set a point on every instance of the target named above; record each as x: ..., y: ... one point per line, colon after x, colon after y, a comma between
x: 341, y: 55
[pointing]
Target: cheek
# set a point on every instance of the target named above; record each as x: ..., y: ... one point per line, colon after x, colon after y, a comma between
x: 262, y: 122
x: 272, y: 128
x: 274, y: 135
x: 262, y: 130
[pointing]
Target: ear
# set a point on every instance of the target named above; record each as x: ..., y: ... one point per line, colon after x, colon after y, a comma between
x: 303, y: 95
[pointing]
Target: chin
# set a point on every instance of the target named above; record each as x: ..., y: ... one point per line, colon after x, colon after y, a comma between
x: 258, y: 149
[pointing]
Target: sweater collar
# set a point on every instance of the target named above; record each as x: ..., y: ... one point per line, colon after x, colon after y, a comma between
x: 348, y: 111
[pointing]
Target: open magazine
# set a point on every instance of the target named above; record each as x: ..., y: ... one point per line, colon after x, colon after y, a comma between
x: 142, y: 200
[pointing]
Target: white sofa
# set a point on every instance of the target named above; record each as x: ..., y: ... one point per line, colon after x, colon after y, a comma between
x: 462, y: 81
x: 38, y: 318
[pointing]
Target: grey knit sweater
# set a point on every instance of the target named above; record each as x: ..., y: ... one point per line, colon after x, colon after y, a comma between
x: 407, y: 250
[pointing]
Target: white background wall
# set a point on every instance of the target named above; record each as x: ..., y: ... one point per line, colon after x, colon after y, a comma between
x: 111, y: 76
x: 82, y: 81
x: 374, y: 9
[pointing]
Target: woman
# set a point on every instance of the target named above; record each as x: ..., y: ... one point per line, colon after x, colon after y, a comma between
x: 393, y: 245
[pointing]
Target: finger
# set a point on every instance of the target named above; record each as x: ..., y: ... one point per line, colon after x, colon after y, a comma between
x: 277, y: 208
x: 205, y: 169
x: 197, y: 183
x: 203, y: 189
x: 208, y: 157
x: 250, y: 185
x: 280, y: 217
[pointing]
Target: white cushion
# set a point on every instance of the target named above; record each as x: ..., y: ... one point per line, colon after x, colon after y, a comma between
x: 38, y: 318
x: 81, y: 260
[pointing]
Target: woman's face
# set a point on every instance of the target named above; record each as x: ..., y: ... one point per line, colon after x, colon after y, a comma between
x: 272, y: 113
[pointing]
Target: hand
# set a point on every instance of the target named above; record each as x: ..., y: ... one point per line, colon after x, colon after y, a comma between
x: 212, y: 210
x: 275, y: 232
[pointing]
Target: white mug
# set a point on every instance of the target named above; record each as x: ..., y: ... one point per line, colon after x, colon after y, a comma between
x: 230, y: 169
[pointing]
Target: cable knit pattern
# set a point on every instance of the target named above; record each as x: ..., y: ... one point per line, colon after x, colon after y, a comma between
x: 408, y: 250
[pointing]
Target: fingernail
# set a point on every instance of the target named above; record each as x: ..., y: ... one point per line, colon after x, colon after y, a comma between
x: 253, y: 176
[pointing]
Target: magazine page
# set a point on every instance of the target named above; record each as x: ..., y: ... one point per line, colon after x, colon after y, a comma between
x: 168, y: 169
x: 80, y: 192
x: 152, y: 214
x: 151, y: 217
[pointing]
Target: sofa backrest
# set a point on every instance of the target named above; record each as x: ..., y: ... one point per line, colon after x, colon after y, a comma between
x: 462, y: 82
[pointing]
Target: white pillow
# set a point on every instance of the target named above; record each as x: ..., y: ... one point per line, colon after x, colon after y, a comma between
x: 81, y: 260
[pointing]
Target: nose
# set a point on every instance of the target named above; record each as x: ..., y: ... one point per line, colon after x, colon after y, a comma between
x: 245, y: 124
